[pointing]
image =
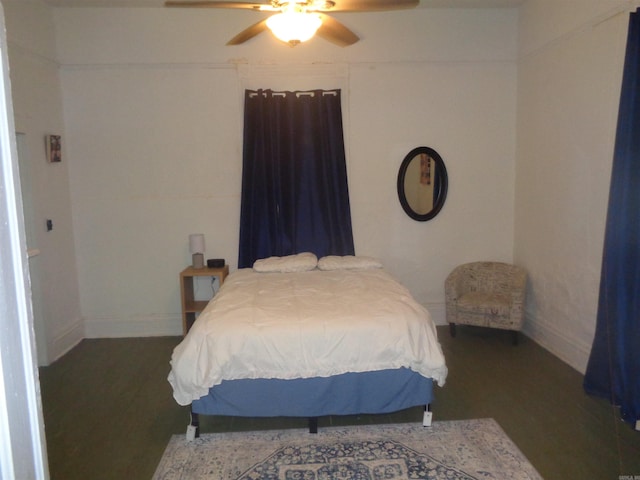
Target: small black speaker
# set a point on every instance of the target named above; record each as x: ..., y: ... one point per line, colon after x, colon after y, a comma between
x: 215, y: 262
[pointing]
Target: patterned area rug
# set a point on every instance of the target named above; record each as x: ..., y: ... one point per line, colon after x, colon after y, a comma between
x: 469, y: 449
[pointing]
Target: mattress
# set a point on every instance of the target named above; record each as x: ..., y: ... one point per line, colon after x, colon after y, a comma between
x: 303, y: 325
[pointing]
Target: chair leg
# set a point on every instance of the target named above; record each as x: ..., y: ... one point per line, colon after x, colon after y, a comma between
x: 452, y: 329
x: 514, y: 336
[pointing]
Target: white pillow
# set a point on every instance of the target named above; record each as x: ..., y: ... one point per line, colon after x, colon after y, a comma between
x: 300, y: 262
x: 348, y: 262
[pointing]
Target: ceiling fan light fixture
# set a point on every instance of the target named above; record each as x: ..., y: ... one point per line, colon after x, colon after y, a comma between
x: 294, y: 27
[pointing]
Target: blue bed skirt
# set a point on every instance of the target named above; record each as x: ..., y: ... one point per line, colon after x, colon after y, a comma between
x: 381, y: 391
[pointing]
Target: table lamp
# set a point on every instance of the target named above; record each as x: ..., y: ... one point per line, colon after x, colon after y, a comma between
x: 196, y: 247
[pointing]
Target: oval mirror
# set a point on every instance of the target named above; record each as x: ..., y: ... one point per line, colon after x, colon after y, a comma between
x: 422, y: 183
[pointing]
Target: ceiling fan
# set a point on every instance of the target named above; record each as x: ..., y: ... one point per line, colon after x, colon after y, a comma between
x: 296, y: 21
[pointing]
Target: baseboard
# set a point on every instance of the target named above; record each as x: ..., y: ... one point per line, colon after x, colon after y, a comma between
x: 65, y: 341
x: 438, y: 313
x: 171, y: 325
x: 136, y: 326
x: 570, y: 350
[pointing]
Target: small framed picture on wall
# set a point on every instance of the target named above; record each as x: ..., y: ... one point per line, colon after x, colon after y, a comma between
x: 53, y: 144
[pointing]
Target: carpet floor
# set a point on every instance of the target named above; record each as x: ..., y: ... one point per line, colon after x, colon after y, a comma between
x: 465, y: 449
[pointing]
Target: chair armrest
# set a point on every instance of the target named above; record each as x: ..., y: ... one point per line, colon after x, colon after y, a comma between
x: 453, y: 289
x: 518, y: 294
x: 453, y: 286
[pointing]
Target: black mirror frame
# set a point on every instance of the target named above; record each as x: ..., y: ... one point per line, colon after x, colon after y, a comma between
x: 442, y: 179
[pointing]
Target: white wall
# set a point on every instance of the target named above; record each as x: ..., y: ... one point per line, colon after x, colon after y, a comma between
x: 38, y: 111
x: 569, y: 80
x: 153, y: 114
x: 152, y: 104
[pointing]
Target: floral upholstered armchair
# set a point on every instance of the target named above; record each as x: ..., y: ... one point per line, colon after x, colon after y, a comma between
x: 486, y: 294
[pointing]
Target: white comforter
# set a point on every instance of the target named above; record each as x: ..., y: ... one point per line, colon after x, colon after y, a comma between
x: 306, y: 324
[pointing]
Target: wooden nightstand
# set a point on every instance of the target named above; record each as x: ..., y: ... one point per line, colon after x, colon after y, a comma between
x: 190, y: 306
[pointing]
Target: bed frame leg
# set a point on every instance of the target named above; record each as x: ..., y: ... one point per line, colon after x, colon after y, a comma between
x: 193, y: 429
x: 428, y: 416
x: 313, y: 424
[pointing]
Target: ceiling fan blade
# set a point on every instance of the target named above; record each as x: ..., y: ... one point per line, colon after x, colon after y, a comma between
x: 249, y: 33
x: 259, y: 6
x: 335, y: 32
x: 367, y: 5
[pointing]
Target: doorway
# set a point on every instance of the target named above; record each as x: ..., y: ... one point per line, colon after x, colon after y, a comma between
x: 30, y: 226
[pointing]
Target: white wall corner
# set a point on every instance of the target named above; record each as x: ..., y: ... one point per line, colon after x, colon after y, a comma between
x: 571, y: 350
x: 65, y: 341
x: 134, y: 326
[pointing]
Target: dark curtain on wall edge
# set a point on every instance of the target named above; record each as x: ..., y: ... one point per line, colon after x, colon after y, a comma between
x: 295, y: 196
x: 613, y: 370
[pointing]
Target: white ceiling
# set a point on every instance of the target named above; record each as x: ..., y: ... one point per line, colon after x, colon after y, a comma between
x: 158, y: 3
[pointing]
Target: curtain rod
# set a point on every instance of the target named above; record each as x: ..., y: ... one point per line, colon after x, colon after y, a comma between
x: 310, y: 93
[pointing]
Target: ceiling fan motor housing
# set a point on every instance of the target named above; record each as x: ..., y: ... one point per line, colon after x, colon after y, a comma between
x: 323, y: 5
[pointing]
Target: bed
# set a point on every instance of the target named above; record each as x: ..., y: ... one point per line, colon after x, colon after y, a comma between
x: 294, y: 336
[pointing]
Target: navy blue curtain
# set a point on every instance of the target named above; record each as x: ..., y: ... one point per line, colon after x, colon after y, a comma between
x: 294, y: 177
x: 613, y: 370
